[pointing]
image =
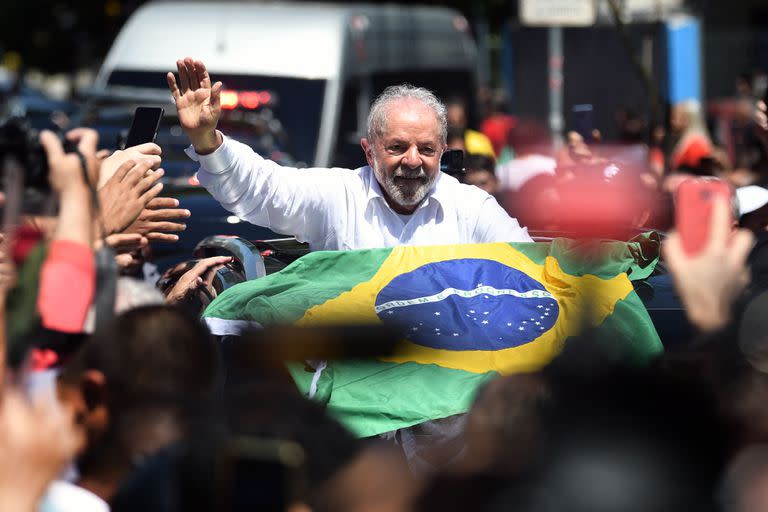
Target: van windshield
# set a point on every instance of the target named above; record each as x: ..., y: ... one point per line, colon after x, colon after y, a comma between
x: 278, y: 117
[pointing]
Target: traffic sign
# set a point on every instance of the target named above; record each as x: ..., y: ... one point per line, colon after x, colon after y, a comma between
x: 557, y: 13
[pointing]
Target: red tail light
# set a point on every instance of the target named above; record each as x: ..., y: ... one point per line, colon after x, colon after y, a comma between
x: 246, y: 99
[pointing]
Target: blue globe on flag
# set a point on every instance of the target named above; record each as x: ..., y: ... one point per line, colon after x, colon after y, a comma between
x: 467, y: 304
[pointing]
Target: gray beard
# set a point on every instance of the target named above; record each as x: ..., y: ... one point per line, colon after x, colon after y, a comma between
x: 401, y: 193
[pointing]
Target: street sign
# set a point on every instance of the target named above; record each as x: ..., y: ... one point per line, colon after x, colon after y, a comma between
x: 557, y: 13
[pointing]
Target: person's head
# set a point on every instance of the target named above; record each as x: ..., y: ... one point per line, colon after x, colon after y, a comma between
x: 504, y: 427
x: 456, y: 139
x: 133, y: 383
x: 407, y: 133
x: 457, y: 113
x: 481, y: 172
x: 745, y: 485
x: 752, y: 212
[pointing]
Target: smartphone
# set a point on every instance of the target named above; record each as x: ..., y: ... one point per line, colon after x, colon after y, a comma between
x: 259, y: 474
x: 452, y: 162
x: 146, y: 121
x: 693, y: 210
x: 582, y: 117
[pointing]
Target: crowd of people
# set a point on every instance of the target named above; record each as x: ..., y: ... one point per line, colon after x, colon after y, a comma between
x: 116, y: 396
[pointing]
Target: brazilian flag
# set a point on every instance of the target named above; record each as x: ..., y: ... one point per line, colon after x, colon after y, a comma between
x: 466, y: 312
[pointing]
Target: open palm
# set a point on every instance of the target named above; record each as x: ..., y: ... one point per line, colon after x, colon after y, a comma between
x: 197, y: 102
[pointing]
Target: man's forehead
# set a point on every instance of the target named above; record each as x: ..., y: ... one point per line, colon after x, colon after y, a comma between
x: 406, y: 114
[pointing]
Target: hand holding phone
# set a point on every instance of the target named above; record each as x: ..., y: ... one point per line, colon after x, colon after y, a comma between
x: 705, y: 255
x: 693, y: 211
x: 146, y: 121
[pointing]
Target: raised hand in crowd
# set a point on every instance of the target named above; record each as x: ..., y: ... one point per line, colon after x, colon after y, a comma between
x: 198, y: 104
x: 111, y: 162
x: 36, y: 440
x: 710, y: 281
x: 188, y: 280
x: 127, y: 193
x: 157, y: 220
x: 66, y: 178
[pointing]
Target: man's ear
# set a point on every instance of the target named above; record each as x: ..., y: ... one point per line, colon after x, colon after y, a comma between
x: 368, y: 150
x: 85, y: 398
x: 93, y: 389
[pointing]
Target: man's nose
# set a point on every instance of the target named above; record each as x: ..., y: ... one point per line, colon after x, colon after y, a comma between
x: 411, y: 158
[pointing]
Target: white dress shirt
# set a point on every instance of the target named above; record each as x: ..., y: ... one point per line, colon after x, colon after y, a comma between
x: 341, y: 209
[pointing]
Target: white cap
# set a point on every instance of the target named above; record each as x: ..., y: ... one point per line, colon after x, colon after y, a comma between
x: 751, y: 198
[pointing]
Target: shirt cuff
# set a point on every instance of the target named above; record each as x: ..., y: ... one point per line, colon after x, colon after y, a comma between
x: 218, y: 161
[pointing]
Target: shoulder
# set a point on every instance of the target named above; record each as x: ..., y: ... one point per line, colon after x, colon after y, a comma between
x: 449, y: 190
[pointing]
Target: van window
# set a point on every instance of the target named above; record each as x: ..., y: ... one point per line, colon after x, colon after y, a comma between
x: 445, y: 83
x: 284, y: 129
x: 348, y: 152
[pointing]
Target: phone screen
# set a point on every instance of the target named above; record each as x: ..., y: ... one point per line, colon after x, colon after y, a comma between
x: 144, y: 126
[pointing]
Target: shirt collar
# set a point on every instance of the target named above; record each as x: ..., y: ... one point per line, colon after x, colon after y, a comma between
x: 436, y: 193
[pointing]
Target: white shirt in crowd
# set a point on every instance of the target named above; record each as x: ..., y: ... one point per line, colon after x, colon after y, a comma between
x: 515, y: 173
x: 342, y: 209
x: 67, y: 497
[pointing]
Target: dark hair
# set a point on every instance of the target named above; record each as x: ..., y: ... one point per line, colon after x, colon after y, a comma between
x: 150, y: 353
x: 474, y: 162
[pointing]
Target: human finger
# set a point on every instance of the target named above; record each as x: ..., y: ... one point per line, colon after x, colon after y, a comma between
x: 189, y: 64
x: 183, y: 76
x: 204, y: 264
x: 139, y: 172
x: 151, y: 193
x: 165, y: 214
x: 87, y: 140
x: 159, y: 203
x: 742, y: 242
x: 211, y: 273
x: 175, y: 93
x: 672, y: 251
x: 150, y: 178
x: 147, y: 148
x: 203, y: 77
x: 51, y: 144
x: 167, y: 226
x: 216, y: 95
x: 125, y: 242
x: 122, y: 171
x: 103, y: 154
x: 162, y: 237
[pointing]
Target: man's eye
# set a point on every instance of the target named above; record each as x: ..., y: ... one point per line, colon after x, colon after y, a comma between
x: 395, y: 148
x: 428, y: 151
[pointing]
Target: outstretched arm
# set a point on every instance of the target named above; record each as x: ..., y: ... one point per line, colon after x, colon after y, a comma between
x: 198, y: 104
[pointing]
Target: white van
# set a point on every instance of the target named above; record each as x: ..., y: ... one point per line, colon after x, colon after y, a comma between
x: 298, y: 78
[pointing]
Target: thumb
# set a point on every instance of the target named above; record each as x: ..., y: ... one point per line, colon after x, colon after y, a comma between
x: 216, y: 95
x: 52, y: 145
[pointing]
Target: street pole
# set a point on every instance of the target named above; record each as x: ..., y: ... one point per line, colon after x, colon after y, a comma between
x: 555, y: 67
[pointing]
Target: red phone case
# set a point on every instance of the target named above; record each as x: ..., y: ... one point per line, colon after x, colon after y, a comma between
x: 693, y: 210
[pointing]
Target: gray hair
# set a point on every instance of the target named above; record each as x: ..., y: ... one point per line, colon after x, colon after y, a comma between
x: 377, y: 118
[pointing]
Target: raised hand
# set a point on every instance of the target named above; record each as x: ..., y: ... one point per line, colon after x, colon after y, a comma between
x: 159, y: 218
x: 111, y: 162
x: 198, y: 104
x: 201, y: 274
x: 127, y: 193
x: 710, y: 281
